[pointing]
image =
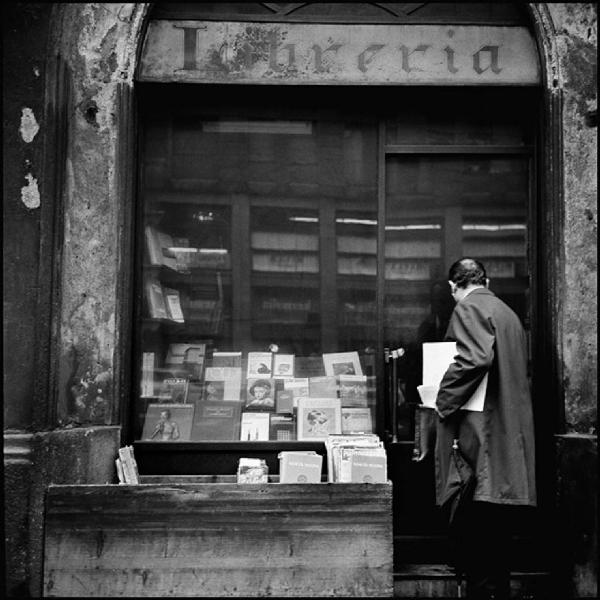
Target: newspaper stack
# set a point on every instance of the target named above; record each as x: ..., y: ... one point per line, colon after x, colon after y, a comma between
x: 356, y: 458
x: 127, y: 469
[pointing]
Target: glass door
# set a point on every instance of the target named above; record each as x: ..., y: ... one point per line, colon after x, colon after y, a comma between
x: 438, y: 208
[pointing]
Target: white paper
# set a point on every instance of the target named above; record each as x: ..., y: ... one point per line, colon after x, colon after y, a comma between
x: 255, y: 426
x: 437, y: 357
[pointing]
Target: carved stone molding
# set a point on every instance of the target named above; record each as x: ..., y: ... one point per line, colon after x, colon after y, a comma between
x: 17, y: 448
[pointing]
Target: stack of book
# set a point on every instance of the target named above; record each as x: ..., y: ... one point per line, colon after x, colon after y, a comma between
x: 356, y: 458
x: 127, y: 469
x: 252, y: 470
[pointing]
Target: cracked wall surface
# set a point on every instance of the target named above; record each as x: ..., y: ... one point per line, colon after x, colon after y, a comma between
x: 103, y: 41
x: 576, y: 38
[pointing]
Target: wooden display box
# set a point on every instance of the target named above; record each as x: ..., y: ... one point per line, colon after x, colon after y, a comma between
x: 178, y: 537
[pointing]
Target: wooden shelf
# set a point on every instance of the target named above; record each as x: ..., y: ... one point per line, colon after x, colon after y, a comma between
x: 278, y: 279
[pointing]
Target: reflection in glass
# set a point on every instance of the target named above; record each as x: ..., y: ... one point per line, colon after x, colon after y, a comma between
x: 440, y: 208
x: 245, y: 301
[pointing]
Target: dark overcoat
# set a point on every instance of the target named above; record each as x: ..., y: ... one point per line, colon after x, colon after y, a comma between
x: 498, y: 442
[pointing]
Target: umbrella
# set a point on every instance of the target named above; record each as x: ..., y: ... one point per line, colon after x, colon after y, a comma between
x: 460, y: 485
x: 458, y: 494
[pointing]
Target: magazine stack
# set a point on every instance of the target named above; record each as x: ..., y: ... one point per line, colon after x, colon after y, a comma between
x: 356, y: 458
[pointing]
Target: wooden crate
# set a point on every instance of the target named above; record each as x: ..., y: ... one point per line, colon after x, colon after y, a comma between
x: 219, y: 539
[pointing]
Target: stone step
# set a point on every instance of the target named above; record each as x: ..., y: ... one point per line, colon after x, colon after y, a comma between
x: 428, y: 581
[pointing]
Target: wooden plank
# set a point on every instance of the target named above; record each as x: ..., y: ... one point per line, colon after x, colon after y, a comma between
x: 219, y: 539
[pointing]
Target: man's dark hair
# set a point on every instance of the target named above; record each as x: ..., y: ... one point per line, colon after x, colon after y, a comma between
x: 467, y: 271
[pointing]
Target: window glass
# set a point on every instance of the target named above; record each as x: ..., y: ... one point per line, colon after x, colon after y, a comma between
x: 440, y: 208
x: 448, y: 117
x: 253, y: 266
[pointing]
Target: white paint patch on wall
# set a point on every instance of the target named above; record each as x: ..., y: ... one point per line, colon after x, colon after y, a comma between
x: 30, y: 193
x: 29, y: 125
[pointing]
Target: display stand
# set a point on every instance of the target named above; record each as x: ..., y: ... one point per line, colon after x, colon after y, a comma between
x: 180, y: 536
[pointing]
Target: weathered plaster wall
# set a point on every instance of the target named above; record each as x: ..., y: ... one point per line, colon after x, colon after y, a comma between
x: 98, y: 43
x: 576, y: 38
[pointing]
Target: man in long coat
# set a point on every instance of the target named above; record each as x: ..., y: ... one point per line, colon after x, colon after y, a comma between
x: 497, y: 443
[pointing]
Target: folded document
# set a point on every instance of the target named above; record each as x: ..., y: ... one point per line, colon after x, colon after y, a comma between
x: 437, y: 357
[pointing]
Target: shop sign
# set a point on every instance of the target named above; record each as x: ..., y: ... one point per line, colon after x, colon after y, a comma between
x: 295, y: 53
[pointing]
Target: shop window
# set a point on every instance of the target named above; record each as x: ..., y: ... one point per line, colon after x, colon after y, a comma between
x: 263, y: 258
x: 250, y: 268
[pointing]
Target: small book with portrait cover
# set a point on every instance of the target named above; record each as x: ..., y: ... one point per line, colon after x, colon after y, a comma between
x: 260, y: 394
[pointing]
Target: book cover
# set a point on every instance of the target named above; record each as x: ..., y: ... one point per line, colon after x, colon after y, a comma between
x: 156, y: 300
x: 334, y: 445
x: 168, y: 422
x: 218, y: 421
x: 129, y: 464
x: 173, y: 305
x: 226, y: 359
x: 282, y: 428
x: 353, y: 390
x: 153, y: 246
x: 357, y: 420
x: 343, y: 458
x: 147, y: 383
x: 342, y: 363
x: 309, y: 366
x: 284, y: 401
x: 259, y: 364
x: 300, y: 467
x: 222, y: 384
x: 174, y: 389
x: 318, y: 417
x: 120, y: 473
x: 178, y: 353
x: 368, y: 466
x: 322, y: 387
x: 298, y: 388
x: 166, y: 243
x: 260, y: 394
x: 283, y: 365
x: 195, y: 391
x: 255, y: 426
